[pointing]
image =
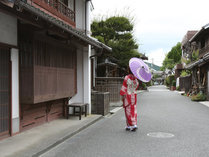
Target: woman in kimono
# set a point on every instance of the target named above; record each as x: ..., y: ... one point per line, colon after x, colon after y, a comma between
x: 128, y: 92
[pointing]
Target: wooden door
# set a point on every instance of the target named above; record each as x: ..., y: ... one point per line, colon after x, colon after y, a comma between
x: 4, y: 92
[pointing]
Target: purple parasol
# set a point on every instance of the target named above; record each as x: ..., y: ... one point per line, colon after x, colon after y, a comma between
x: 140, y: 69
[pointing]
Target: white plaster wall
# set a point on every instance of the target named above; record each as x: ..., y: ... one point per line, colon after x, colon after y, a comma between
x: 177, y: 82
x: 8, y: 29
x: 15, y: 83
x: 79, y: 96
x: 87, y: 74
x: 83, y: 79
x: 15, y: 91
x: 83, y: 58
x: 80, y: 14
x: 87, y: 61
x: 208, y: 82
x: 88, y: 16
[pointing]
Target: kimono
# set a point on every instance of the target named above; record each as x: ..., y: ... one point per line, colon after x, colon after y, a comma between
x: 128, y: 90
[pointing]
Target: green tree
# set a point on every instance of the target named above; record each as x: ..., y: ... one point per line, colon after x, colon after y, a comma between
x: 172, y: 58
x: 117, y: 33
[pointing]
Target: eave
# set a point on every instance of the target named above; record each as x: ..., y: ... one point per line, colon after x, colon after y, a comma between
x: 199, y: 62
x: 67, y: 28
x: 199, y: 32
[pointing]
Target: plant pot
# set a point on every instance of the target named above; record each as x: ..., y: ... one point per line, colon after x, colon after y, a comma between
x: 173, y: 88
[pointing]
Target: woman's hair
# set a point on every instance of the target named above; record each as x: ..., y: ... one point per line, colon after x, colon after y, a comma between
x: 129, y: 71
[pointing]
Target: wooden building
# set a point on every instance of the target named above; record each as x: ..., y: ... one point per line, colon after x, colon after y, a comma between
x: 200, y: 67
x: 186, y: 46
x: 45, y: 51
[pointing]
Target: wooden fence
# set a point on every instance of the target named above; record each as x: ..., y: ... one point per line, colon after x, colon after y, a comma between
x: 185, y: 83
x: 111, y: 85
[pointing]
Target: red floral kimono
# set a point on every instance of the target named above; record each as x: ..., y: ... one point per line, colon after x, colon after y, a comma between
x: 128, y: 90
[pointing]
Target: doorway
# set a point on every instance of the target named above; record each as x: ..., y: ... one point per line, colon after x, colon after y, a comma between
x: 5, y: 92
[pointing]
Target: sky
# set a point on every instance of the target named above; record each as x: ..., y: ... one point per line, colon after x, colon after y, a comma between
x: 158, y: 24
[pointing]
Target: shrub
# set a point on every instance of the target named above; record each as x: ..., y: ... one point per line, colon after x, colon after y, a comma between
x: 195, y: 55
x: 169, y: 80
x: 185, y: 73
x: 199, y: 97
x: 178, y: 88
x: 174, y: 83
x: 144, y: 86
x: 186, y: 61
x: 148, y: 83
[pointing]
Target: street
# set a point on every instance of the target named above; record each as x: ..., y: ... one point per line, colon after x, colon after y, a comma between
x: 170, y: 125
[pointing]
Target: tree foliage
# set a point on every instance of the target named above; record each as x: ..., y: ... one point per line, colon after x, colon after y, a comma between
x: 173, y: 57
x: 117, y: 33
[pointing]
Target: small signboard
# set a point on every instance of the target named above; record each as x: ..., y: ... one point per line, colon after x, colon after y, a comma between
x: 9, y: 3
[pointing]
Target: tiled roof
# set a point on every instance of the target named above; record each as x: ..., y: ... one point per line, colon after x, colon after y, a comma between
x: 188, y: 36
x: 199, y: 32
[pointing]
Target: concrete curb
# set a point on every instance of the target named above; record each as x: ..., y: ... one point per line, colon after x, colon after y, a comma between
x: 115, y: 110
x: 206, y: 103
x: 59, y: 141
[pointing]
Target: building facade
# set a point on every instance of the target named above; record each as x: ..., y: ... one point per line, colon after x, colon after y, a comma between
x: 45, y: 50
x: 198, y: 49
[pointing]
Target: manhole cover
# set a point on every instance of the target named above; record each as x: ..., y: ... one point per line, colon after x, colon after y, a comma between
x: 160, y: 135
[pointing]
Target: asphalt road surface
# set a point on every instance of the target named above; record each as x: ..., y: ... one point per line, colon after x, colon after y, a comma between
x: 170, y: 125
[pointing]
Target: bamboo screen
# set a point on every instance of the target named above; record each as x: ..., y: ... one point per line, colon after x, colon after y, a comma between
x: 54, y: 71
x: 48, y: 71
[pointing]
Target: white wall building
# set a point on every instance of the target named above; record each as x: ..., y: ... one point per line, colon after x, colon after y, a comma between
x: 68, y: 30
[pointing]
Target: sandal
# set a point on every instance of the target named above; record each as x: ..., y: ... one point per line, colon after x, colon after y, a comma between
x: 128, y: 128
x: 134, y: 128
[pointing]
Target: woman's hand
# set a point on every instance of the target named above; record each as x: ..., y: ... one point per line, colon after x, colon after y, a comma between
x: 123, y: 97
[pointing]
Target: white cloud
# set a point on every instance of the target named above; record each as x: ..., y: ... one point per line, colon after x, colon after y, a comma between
x: 160, y: 24
x: 156, y: 56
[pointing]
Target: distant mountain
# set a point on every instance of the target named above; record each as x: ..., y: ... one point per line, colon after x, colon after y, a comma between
x: 153, y: 66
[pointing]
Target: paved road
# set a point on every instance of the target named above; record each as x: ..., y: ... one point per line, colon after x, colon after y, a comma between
x: 159, y: 110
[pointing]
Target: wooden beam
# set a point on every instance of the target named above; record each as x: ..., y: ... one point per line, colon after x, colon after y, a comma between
x: 8, y: 45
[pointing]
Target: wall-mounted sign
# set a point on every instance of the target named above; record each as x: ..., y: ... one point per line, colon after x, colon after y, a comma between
x: 9, y: 3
